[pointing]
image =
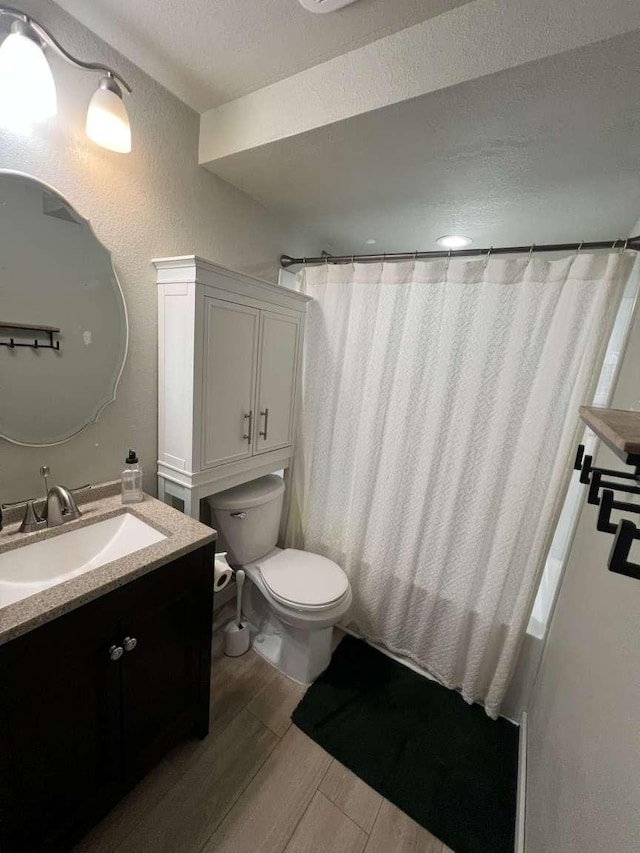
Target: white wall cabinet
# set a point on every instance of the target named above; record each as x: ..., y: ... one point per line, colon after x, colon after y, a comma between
x: 277, y: 373
x: 229, y: 381
x: 229, y: 357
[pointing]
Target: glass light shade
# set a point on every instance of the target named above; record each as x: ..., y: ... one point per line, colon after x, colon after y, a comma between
x: 452, y: 241
x: 107, y: 119
x: 27, y: 88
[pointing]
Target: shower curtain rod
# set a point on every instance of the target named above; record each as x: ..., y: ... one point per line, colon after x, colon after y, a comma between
x: 629, y: 243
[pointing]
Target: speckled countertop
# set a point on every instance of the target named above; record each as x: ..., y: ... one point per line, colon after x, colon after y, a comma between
x: 183, y: 533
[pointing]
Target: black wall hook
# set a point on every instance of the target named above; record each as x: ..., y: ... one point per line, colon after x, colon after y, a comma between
x: 619, y: 557
x: 608, y: 503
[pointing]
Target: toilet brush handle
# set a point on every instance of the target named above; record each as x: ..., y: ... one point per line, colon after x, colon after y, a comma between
x: 239, y: 585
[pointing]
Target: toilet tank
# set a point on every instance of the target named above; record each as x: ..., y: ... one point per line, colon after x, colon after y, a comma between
x: 247, y: 518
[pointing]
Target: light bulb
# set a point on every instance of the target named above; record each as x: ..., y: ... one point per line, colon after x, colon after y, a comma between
x: 107, y: 119
x: 453, y: 242
x: 27, y: 88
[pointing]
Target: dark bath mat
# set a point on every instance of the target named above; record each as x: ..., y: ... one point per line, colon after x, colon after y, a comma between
x: 443, y: 762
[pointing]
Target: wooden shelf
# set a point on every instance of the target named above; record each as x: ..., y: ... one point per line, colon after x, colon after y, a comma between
x: 618, y: 428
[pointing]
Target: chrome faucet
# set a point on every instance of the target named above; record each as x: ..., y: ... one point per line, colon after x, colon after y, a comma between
x: 60, y: 506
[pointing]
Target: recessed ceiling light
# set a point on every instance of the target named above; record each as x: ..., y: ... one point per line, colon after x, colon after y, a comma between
x: 370, y: 241
x: 452, y: 241
x: 325, y: 5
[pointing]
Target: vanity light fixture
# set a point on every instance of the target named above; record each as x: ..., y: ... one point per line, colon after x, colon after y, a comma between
x: 27, y: 88
x: 107, y: 119
x: 452, y: 241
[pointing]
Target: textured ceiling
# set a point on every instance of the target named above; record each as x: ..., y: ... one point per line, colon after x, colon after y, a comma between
x: 210, y: 51
x: 545, y: 152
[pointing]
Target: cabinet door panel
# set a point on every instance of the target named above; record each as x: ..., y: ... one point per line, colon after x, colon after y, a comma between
x: 229, y: 381
x: 60, y: 749
x: 169, y: 615
x: 276, y: 381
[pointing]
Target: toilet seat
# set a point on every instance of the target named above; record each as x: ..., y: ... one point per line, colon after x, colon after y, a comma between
x: 303, y: 580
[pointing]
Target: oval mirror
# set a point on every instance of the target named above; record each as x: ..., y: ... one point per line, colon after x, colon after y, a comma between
x: 63, y: 320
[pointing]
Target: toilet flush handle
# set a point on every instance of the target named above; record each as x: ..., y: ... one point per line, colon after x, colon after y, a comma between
x: 240, y: 515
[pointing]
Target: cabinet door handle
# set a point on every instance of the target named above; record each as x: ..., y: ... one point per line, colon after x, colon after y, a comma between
x: 129, y: 644
x: 115, y: 652
x: 247, y: 435
x: 265, y: 415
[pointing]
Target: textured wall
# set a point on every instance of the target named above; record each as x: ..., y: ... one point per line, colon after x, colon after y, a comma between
x: 468, y: 42
x: 583, y: 784
x: 154, y: 202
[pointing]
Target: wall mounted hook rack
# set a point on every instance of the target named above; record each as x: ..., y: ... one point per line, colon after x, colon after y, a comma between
x: 602, y: 494
x: 25, y: 330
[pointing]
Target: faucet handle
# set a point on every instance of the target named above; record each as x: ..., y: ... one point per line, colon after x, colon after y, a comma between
x: 31, y: 520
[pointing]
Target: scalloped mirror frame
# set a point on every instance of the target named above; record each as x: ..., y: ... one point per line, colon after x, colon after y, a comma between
x: 111, y: 395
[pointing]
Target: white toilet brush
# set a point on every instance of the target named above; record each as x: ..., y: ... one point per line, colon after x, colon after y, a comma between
x: 237, y: 637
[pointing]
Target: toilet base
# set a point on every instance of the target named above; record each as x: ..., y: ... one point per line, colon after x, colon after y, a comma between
x: 299, y: 647
x: 300, y: 655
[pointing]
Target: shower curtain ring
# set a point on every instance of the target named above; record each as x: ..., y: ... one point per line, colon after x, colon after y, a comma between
x: 352, y: 259
x: 579, y: 248
x: 446, y: 268
x: 626, y: 243
x: 486, y: 263
x: 533, y: 245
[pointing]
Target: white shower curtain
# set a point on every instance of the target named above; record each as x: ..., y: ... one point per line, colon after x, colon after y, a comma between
x: 439, y: 419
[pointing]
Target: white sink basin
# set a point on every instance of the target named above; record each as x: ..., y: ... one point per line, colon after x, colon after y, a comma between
x: 32, y: 568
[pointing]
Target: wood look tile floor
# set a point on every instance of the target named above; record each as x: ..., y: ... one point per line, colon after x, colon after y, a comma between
x: 256, y: 784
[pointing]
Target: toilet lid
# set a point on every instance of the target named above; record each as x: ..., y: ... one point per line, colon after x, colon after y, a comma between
x: 302, y: 579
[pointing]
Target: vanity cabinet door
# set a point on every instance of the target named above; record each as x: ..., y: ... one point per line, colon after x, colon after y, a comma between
x: 166, y: 634
x: 229, y: 381
x: 60, y: 737
x: 277, y: 371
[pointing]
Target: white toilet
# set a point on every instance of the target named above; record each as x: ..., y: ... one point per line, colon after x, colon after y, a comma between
x: 293, y: 598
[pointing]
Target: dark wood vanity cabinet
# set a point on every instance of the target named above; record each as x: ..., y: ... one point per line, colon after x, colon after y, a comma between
x: 81, y: 722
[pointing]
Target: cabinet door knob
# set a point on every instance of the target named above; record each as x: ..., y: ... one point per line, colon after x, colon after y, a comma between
x: 248, y: 435
x: 265, y: 415
x: 129, y: 644
x: 116, y: 652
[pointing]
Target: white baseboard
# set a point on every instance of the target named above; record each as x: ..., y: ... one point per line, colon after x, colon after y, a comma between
x: 522, y: 785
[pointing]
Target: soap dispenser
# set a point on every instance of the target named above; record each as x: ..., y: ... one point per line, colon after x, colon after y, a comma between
x: 132, y: 480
